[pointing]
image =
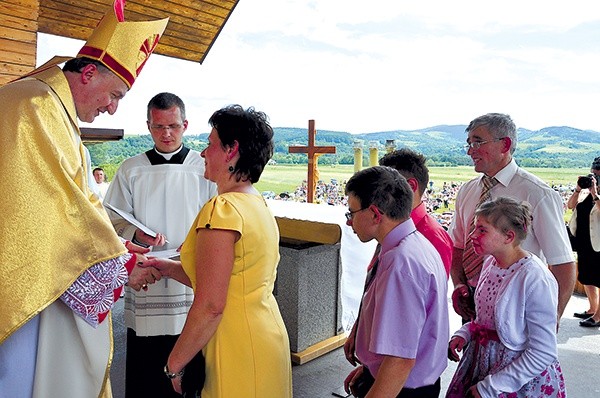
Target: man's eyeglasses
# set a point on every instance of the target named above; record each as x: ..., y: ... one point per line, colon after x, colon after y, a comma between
x: 350, y: 214
x: 477, y: 144
x: 174, y: 126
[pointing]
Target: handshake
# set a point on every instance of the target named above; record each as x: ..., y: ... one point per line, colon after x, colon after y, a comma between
x: 148, y: 270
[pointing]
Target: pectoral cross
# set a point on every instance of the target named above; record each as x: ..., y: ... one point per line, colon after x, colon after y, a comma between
x: 313, y: 153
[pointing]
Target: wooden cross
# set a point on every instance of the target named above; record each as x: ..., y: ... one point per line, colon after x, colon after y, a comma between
x: 313, y: 153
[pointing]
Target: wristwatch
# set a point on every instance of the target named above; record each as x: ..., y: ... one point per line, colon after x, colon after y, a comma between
x: 173, y: 375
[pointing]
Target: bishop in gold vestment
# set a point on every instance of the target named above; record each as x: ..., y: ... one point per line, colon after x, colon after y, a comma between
x: 53, y: 230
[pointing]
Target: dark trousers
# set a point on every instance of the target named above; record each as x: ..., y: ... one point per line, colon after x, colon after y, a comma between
x: 145, y: 362
x: 432, y: 391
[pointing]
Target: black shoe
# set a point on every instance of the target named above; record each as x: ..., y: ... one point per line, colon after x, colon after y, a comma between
x: 582, y: 315
x: 589, y: 323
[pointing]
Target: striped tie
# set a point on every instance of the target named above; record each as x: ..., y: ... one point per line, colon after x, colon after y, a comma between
x: 472, y: 262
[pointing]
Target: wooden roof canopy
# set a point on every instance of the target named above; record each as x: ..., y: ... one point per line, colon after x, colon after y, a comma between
x: 193, y: 27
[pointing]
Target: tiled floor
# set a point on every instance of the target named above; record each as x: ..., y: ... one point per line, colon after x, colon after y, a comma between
x: 579, y: 353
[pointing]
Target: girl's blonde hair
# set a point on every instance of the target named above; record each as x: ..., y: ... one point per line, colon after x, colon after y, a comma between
x: 507, y: 214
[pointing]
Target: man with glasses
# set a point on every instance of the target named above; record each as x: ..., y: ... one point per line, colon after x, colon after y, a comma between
x: 412, y: 166
x: 491, y: 142
x: 402, y: 326
x: 163, y: 188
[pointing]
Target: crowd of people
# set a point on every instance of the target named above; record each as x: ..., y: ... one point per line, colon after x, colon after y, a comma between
x: 439, y: 201
x: 201, y: 316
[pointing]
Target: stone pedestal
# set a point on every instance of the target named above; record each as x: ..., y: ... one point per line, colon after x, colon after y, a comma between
x: 308, y: 286
x: 308, y: 292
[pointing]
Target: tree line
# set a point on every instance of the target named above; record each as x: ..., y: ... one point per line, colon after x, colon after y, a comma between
x: 552, y: 147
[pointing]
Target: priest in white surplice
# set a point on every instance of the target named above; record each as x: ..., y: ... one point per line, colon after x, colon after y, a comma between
x: 163, y: 188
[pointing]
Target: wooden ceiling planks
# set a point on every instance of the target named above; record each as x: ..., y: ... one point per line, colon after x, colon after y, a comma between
x: 18, y: 27
x: 192, y: 30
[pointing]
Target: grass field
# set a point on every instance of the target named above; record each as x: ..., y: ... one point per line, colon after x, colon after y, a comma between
x: 285, y: 178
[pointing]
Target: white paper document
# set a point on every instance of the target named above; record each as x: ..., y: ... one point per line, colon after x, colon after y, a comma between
x: 170, y: 253
x: 132, y: 220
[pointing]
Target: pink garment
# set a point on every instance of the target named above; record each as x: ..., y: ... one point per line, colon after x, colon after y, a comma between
x: 435, y: 233
x: 481, y: 334
x: 486, y: 355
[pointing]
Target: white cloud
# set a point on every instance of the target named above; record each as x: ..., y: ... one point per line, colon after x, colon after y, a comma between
x: 389, y: 64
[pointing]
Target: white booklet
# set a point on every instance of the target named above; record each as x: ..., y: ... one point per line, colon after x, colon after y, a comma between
x: 132, y: 220
x: 169, y: 253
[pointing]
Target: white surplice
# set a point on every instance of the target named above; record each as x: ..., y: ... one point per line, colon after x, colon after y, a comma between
x: 166, y: 198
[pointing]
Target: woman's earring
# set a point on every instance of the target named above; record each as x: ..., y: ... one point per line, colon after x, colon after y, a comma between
x: 231, y: 169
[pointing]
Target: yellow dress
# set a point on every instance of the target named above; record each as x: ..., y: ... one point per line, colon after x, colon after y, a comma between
x: 249, y: 354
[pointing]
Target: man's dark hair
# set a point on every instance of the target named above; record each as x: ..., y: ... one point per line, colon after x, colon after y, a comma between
x: 252, y: 131
x: 410, y: 164
x: 77, y: 64
x: 164, y: 101
x: 97, y: 169
x: 383, y: 187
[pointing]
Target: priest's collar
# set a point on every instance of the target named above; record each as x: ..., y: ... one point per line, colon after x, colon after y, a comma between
x: 169, y: 155
x: 177, y: 157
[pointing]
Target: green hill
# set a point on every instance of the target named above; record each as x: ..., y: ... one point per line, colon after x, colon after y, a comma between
x: 556, y: 147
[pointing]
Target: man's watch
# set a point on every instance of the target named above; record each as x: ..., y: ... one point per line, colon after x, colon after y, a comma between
x: 173, y: 375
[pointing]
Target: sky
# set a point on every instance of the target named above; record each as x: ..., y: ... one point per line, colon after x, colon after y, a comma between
x: 383, y: 65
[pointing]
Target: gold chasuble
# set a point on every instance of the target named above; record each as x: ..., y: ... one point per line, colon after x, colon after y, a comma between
x: 52, y: 228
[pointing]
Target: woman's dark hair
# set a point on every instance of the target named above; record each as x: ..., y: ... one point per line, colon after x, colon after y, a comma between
x: 254, y: 135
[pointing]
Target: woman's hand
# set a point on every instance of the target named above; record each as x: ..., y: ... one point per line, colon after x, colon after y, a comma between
x: 455, y: 346
x: 141, y: 277
x: 169, y: 269
x: 165, y: 266
x: 351, y: 379
x: 176, y: 381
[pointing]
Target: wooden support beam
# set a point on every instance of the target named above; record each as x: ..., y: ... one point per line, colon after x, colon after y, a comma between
x: 89, y: 134
x: 321, y: 348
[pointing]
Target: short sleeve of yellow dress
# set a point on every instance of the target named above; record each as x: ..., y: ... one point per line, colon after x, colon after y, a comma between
x: 249, y: 354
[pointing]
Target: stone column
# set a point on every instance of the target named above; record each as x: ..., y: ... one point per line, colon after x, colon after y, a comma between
x: 373, y: 153
x: 358, y: 155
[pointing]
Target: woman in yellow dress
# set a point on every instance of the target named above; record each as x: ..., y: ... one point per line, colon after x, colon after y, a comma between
x: 230, y: 259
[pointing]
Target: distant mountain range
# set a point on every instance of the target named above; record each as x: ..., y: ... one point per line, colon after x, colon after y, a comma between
x: 442, y: 145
